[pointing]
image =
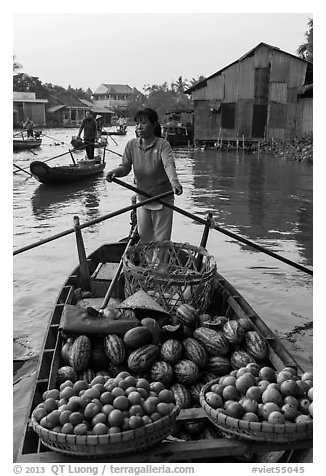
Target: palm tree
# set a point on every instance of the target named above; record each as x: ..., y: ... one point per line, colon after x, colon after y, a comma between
x: 305, y: 51
x: 16, y: 65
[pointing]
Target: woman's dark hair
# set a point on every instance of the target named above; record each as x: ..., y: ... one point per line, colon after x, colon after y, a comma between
x: 152, y: 116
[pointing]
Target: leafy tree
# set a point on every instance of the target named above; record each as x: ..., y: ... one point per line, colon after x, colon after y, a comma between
x: 16, y: 65
x: 305, y: 51
x: 22, y: 82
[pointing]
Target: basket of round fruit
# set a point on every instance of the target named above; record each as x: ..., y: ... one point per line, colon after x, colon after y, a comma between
x: 168, y: 271
x: 108, y: 417
x: 259, y: 403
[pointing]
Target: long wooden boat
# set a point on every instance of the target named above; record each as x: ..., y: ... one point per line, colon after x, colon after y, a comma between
x: 63, y: 174
x: 120, y: 131
x: 226, y: 301
x: 21, y: 144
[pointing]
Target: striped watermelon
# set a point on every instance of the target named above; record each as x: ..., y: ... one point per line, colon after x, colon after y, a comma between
x: 214, y: 341
x: 256, y: 345
x: 241, y: 358
x: 171, y: 351
x: 194, y: 351
x: 233, y: 331
x: 162, y: 372
x: 186, y: 372
x: 80, y: 353
x: 114, y: 348
x: 219, y: 365
x: 181, y: 395
x: 143, y: 358
x: 66, y: 373
x: 187, y: 314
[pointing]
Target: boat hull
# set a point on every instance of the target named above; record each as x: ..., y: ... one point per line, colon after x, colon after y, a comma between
x: 65, y: 173
x: 21, y: 144
x: 227, y: 301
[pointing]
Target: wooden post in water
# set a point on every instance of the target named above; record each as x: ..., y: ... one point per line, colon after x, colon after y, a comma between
x: 243, y: 142
x: 85, y: 277
x: 204, y: 238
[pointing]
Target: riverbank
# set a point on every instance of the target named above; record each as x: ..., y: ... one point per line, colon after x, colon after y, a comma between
x: 294, y: 149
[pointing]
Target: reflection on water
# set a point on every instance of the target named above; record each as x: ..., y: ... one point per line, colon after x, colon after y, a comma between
x: 257, y: 196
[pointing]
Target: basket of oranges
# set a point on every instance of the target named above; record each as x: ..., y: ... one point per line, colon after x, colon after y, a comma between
x: 108, y: 417
x: 261, y: 404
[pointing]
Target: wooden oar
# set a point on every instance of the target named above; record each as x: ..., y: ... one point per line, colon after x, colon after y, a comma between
x: 91, y: 310
x: 23, y: 170
x: 52, y: 158
x: 91, y: 222
x: 218, y: 228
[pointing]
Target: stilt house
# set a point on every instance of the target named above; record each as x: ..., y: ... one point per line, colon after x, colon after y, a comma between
x: 262, y: 95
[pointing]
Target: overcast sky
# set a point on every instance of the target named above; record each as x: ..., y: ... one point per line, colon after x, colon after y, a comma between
x: 88, y: 49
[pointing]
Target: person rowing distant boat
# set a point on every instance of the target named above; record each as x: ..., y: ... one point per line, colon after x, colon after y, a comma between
x: 89, y: 126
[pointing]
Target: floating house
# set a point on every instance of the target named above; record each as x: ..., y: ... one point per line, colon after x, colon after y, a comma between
x: 26, y: 105
x: 114, y: 95
x: 263, y: 95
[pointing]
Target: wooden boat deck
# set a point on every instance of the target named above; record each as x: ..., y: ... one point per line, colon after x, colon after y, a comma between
x: 102, y: 265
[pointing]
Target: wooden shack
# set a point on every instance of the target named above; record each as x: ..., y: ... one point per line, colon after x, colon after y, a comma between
x: 254, y: 98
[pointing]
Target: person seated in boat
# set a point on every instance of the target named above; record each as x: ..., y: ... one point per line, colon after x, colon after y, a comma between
x: 99, y: 124
x: 89, y: 126
x: 29, y: 126
x: 122, y: 124
x: 153, y: 163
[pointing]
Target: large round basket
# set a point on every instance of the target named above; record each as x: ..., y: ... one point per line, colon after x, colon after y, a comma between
x: 126, y: 442
x: 172, y: 273
x: 258, y: 431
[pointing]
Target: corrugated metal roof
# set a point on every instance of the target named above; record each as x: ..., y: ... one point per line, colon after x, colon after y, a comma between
x: 118, y: 88
x: 246, y: 55
x: 56, y: 108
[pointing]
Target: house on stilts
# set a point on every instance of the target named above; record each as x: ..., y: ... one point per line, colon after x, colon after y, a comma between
x: 264, y: 95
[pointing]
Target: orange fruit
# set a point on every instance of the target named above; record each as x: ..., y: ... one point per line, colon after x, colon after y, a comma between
x: 304, y: 404
x: 303, y: 387
x: 53, y: 393
x: 75, y: 418
x: 67, y: 392
x: 130, y: 389
x: 244, y: 382
x: 249, y: 416
x: 250, y: 406
x: 85, y: 400
x: 135, y: 421
x: 303, y: 418
x: 134, y: 398
x: 39, y: 413
x: 217, y: 388
x: 92, y: 393
x: 100, y: 387
x: 114, y: 429
x: 67, y: 428
x: 123, y: 375
x: 214, y: 400
x: 107, y: 408
x: 143, y: 392
x: 253, y: 368
x: 80, y: 385
x: 227, y: 380
x: 166, y: 396
x: 263, y: 384
x: 157, y: 386
x: 115, y: 418
x: 307, y: 376
x: 121, y: 402
x: 99, y: 418
x: 292, y: 370
x: 254, y: 393
x: 267, y: 373
x: 276, y: 386
x: 269, y: 408
x: 53, y: 418
x: 284, y: 375
x: 163, y: 408
x: 289, y: 388
x: 156, y: 416
x: 143, y: 383
x: 106, y: 397
x: 276, y: 418
x: 91, y: 410
x: 98, y: 379
x: 234, y: 409
x: 50, y: 404
x: 147, y: 420
x: 64, y: 417
x: 311, y: 409
x: 292, y: 401
x: 272, y: 395
x: 100, y: 429
x: 125, y: 424
x: 241, y: 371
x: 117, y: 392
x: 67, y: 383
x: 130, y: 381
x: 149, y: 405
x: 311, y: 394
x: 230, y: 393
x: 80, y: 429
x: 136, y: 410
x: 289, y: 411
x: 74, y: 403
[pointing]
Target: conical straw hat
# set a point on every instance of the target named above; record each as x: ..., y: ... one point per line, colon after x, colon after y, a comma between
x: 141, y: 300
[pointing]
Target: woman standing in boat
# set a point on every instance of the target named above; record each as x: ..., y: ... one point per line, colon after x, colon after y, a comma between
x: 89, y: 126
x: 153, y: 163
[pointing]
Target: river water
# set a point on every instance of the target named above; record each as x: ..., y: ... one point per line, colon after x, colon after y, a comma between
x: 268, y: 200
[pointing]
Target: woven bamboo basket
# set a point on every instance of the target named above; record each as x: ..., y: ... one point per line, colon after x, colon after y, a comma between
x: 258, y: 431
x: 126, y: 442
x: 169, y: 273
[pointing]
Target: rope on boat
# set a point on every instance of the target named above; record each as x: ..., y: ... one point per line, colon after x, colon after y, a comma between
x: 92, y: 222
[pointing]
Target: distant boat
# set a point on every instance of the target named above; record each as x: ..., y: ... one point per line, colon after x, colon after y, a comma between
x: 62, y: 174
x: 30, y: 143
x: 120, y: 131
x: 178, y: 129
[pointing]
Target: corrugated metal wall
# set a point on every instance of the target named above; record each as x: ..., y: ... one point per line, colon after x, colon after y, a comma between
x: 278, y: 92
x: 280, y: 67
x: 231, y: 81
x: 206, y: 123
x: 245, y: 118
x: 215, y: 88
x: 246, y: 86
